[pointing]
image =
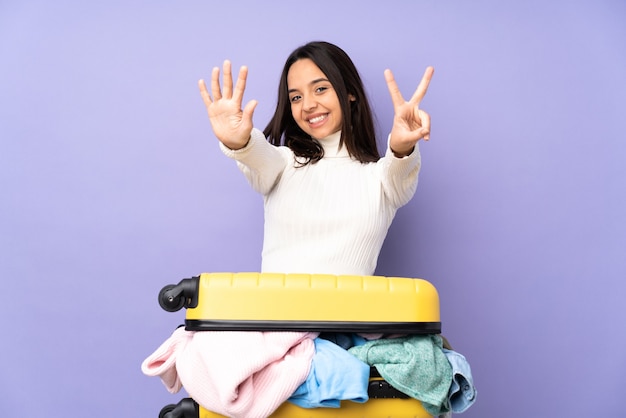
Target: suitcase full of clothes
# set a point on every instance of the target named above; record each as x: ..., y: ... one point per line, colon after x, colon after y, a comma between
x: 309, y: 303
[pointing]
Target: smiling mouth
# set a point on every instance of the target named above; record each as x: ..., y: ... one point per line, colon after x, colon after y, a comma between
x: 317, y: 119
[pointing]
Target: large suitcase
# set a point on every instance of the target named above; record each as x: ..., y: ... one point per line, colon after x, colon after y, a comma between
x: 302, y: 302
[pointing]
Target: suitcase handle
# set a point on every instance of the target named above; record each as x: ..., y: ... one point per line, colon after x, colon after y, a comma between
x: 173, y: 298
x: 377, y: 389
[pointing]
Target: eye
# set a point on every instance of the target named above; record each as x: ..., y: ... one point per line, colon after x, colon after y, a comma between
x: 295, y: 98
x: 321, y: 89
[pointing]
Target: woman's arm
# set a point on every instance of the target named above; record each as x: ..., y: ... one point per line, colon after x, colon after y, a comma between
x: 261, y: 162
x: 399, y: 176
x: 399, y: 168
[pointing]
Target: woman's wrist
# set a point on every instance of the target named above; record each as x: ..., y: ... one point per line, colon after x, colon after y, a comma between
x: 402, y: 154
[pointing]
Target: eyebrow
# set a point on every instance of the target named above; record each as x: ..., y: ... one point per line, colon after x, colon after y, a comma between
x: 317, y: 80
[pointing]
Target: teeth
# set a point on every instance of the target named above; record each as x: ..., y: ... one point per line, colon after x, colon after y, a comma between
x: 317, y: 119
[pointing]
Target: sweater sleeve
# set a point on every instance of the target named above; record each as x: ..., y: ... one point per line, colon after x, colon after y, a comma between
x: 261, y: 162
x: 399, y: 176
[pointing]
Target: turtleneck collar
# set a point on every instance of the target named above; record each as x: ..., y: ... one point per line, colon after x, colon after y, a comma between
x: 331, y: 146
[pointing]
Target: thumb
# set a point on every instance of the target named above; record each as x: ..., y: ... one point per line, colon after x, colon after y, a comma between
x: 248, y: 110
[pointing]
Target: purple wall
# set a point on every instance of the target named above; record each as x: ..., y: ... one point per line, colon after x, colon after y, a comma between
x: 113, y: 186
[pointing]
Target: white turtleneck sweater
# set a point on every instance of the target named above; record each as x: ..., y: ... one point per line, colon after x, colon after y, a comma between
x: 330, y: 217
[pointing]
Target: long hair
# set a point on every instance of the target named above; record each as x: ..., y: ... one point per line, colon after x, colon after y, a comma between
x: 357, y: 130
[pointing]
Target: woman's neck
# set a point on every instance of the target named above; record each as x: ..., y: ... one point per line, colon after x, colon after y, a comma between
x: 331, y: 146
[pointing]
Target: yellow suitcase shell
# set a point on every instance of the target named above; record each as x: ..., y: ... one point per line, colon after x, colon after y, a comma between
x: 374, y: 408
x: 270, y: 302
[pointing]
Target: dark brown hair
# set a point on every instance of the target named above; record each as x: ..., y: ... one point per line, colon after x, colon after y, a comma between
x: 357, y: 130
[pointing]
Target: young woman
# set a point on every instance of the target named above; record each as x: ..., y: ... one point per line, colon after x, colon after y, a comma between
x: 329, y: 197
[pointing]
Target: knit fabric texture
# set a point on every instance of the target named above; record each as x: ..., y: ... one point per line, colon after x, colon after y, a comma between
x: 243, y: 374
x: 415, y: 365
x: 330, y: 217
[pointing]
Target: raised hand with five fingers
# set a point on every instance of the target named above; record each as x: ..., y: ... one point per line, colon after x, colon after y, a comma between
x: 410, y: 123
x: 231, y: 124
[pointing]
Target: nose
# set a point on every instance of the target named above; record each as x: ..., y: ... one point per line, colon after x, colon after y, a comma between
x: 308, y: 102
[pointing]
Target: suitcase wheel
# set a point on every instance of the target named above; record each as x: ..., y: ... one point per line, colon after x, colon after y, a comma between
x: 173, y: 298
x: 186, y: 408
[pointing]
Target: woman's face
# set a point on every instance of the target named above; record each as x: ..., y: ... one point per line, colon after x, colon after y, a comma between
x: 314, y: 102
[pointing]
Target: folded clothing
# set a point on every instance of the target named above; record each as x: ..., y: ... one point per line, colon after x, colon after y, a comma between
x: 415, y: 365
x: 462, y: 393
x: 239, y: 374
x: 335, y: 375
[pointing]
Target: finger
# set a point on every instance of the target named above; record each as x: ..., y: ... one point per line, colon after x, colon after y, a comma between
x: 215, y: 84
x: 425, y: 118
x: 227, y: 91
x: 394, y: 91
x: 422, y: 88
x: 206, y: 97
x: 240, y: 87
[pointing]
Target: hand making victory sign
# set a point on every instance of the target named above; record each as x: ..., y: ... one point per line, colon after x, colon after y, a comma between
x: 231, y: 124
x: 410, y: 123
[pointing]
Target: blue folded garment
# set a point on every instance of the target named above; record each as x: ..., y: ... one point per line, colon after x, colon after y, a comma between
x: 462, y: 392
x: 335, y: 375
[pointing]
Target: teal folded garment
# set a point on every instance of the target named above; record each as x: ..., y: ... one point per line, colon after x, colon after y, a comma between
x: 415, y: 365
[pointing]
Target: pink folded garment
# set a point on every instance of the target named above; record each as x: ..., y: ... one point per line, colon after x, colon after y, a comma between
x: 162, y: 362
x: 239, y: 374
